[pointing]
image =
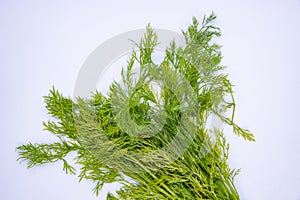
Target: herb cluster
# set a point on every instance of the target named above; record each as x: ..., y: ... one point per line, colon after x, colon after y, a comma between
x: 110, y: 149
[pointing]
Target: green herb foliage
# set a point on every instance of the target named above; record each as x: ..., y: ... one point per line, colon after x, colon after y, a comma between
x: 109, y: 150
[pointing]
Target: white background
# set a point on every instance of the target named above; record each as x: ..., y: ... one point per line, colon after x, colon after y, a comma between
x: 44, y: 43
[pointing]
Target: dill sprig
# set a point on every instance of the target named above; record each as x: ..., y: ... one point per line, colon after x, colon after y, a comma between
x: 110, y: 149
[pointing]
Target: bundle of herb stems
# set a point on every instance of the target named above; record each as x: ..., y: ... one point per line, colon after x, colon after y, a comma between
x: 176, y: 158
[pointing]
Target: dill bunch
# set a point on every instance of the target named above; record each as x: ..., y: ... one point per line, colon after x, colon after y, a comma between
x: 160, y: 139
